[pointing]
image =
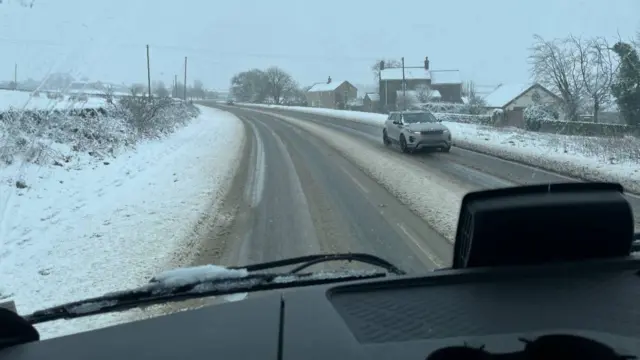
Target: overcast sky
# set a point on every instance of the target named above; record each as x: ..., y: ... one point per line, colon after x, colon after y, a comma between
x: 105, y: 40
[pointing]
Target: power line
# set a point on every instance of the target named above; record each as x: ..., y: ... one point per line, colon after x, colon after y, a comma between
x: 211, y: 51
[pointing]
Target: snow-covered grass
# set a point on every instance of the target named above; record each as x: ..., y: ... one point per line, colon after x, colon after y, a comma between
x: 588, y: 158
x: 97, y: 225
x: 55, y: 136
x: 24, y: 100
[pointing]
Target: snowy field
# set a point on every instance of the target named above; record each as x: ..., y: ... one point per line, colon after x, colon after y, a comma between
x: 23, y: 100
x: 102, y: 224
x: 589, y: 158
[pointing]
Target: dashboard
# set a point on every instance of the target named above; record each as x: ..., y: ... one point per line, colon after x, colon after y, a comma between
x: 392, y: 318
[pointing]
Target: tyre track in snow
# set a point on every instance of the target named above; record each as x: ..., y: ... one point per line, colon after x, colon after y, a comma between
x: 469, y: 169
x: 294, y: 195
x: 315, y: 201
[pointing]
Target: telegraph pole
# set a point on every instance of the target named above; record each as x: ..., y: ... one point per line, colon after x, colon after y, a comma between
x: 175, y: 86
x: 148, y: 72
x: 15, y: 76
x: 185, y: 78
x: 404, y: 88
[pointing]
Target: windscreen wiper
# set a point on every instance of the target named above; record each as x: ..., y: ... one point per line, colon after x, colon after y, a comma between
x: 210, y: 280
x: 310, y: 260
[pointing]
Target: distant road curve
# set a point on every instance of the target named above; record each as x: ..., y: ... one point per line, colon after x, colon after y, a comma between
x: 476, y: 170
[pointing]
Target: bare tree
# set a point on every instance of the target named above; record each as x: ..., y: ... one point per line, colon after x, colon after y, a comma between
x: 23, y: 3
x: 279, y: 84
x: 554, y: 66
x: 136, y: 89
x: 472, y: 93
x: 597, y: 70
x: 250, y: 86
x: 409, y: 99
x: 424, y: 93
x: 160, y: 89
x: 178, y: 90
x: 388, y: 63
x: 466, y: 85
x: 108, y: 93
x: 476, y: 102
x: 636, y: 41
x: 197, y: 89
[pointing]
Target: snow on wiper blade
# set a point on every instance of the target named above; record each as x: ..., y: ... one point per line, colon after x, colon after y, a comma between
x: 184, y: 276
x: 160, y: 292
x: 164, y: 288
x: 211, y: 280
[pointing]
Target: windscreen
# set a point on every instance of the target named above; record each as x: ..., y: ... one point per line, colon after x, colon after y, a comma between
x: 141, y: 136
x: 421, y: 117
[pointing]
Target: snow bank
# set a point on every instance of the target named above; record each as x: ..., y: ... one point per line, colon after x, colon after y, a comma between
x: 426, y: 191
x: 47, y: 137
x: 100, y: 226
x: 588, y: 158
x: 358, y: 116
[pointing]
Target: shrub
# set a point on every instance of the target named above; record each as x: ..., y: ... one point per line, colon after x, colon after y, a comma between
x: 32, y: 135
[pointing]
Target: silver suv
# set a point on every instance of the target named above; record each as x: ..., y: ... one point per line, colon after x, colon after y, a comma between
x: 416, y: 130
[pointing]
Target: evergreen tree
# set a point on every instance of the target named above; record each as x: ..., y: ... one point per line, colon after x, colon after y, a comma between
x: 626, y: 87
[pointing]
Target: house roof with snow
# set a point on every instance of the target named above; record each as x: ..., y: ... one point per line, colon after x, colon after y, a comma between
x: 324, y: 87
x: 506, y: 93
x: 373, y: 96
x: 437, y: 77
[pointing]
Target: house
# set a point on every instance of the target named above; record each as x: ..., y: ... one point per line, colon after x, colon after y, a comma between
x: 371, y: 102
x: 448, y: 83
x: 331, y: 95
x: 512, y: 99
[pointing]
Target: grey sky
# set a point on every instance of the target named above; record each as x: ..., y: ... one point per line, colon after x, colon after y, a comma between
x: 104, y: 40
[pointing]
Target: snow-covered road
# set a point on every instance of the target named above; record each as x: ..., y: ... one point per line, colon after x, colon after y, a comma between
x: 489, y: 162
x: 589, y: 158
x: 96, y: 227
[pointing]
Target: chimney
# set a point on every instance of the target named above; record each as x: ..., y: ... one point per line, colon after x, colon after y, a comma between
x: 426, y: 63
x: 329, y: 80
x: 381, y: 65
